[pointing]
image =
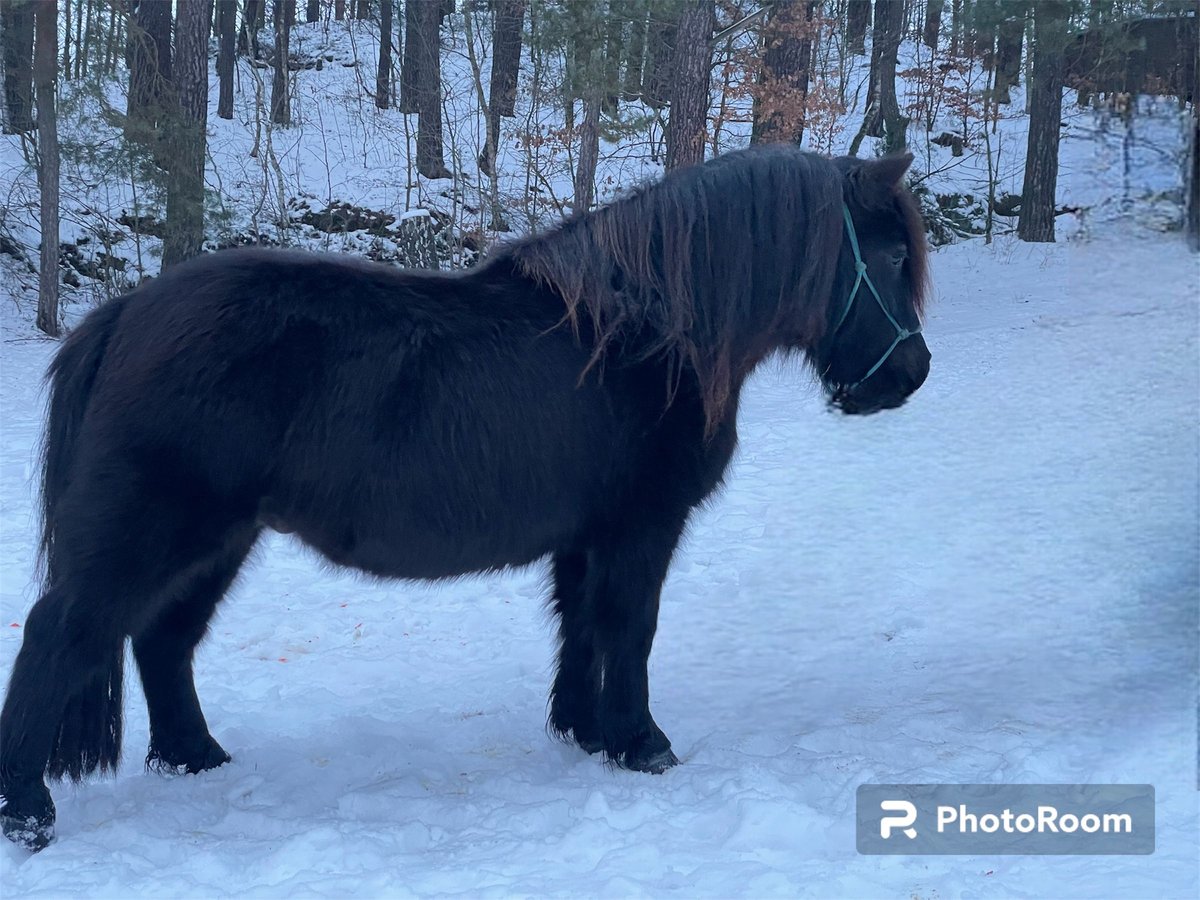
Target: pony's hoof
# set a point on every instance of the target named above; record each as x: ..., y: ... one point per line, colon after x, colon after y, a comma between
x: 27, y: 817
x: 656, y: 764
x: 590, y: 746
x: 208, y: 755
x: 33, y: 832
x: 649, y: 752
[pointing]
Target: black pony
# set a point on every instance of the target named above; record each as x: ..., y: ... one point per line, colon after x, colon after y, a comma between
x: 575, y: 396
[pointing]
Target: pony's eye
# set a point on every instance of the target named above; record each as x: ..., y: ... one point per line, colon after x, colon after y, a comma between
x: 900, y: 257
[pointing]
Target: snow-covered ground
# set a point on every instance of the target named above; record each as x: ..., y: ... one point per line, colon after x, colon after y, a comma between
x: 997, y: 583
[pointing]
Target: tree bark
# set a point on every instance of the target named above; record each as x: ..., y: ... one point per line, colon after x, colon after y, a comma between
x: 691, y: 69
x: 66, y: 56
x: 248, y: 39
x: 410, y: 65
x: 1192, y: 178
x: 933, y: 23
x: 44, y: 75
x: 339, y: 10
x: 779, y: 103
x: 858, y: 19
x: 383, y: 75
x: 506, y: 62
x: 1010, y: 35
x: 589, y: 153
x: 281, y: 107
x: 660, y: 51
x: 184, y: 236
x: 362, y: 9
x: 312, y: 12
x: 1036, y: 223
x: 428, y: 49
x: 149, y: 71
x: 226, y: 53
x: 17, y: 16
x: 883, y: 117
x: 635, y: 55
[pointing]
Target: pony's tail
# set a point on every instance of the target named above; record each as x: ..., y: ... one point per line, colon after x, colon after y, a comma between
x: 71, y: 376
x: 90, y: 734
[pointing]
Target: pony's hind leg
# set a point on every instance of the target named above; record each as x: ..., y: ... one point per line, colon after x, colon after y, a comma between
x: 62, y: 714
x: 125, y: 541
x: 575, y: 696
x: 179, y: 736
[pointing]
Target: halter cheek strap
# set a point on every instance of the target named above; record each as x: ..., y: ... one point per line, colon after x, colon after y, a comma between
x: 861, y: 277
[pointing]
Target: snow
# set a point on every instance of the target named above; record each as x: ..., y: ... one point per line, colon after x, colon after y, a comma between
x: 996, y: 583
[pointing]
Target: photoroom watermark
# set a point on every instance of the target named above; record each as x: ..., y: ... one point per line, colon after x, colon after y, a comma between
x: 1042, y: 819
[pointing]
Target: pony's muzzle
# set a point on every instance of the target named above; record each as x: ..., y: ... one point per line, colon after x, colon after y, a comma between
x: 891, y: 385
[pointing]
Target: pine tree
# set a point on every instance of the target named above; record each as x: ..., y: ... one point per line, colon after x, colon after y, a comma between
x: 281, y: 107
x: 383, y: 74
x: 428, y: 87
x: 1045, y: 111
x: 16, y: 33
x: 185, y: 182
x: 227, y: 36
x: 691, y: 71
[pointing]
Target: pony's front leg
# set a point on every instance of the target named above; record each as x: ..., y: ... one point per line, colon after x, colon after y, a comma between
x: 575, y: 696
x: 625, y: 580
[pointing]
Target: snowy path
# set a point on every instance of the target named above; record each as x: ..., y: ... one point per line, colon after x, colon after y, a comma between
x: 997, y: 583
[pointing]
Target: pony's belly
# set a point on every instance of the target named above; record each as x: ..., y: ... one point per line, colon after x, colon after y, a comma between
x: 424, y: 553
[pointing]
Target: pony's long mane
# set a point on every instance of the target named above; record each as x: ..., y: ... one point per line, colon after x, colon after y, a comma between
x: 704, y: 267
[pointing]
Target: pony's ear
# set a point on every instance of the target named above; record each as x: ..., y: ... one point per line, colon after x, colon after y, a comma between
x: 888, y: 171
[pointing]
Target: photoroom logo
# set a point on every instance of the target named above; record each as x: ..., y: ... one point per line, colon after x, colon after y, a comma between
x: 1045, y: 819
x: 887, y: 823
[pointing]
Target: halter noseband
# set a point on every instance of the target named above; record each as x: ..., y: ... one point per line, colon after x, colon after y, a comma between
x: 860, y: 268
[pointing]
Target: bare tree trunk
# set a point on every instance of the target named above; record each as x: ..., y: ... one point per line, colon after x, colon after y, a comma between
x: 1045, y: 112
x: 312, y: 12
x: 248, y: 40
x: 383, y: 76
x: 1010, y: 35
x: 184, y: 236
x: 149, y: 71
x: 1192, y: 187
x: 660, y: 52
x: 44, y: 72
x: 227, y: 36
x: 112, y: 42
x: 16, y: 17
x: 691, y: 70
x: 933, y: 23
x: 410, y: 65
x: 430, y: 155
x: 858, y: 20
x: 66, y: 58
x: 506, y: 62
x: 281, y: 106
x: 883, y: 117
x: 589, y: 152
x: 362, y: 9
x: 339, y: 10
x: 779, y: 103
x: 87, y: 16
x: 631, y: 84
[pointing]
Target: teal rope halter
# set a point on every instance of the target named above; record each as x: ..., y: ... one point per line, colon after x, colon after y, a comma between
x: 860, y: 268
